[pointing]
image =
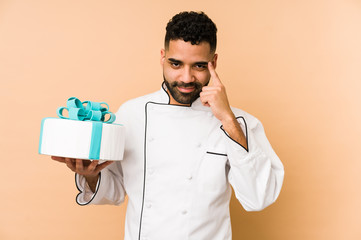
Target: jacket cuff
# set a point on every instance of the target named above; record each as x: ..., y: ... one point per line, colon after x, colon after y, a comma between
x: 238, y: 154
x: 233, y: 142
x: 85, y: 195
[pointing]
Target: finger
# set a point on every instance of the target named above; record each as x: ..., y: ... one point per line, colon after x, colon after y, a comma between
x: 69, y: 164
x: 210, y: 90
x: 79, y: 165
x: 214, y: 76
x: 209, y: 95
x: 59, y: 159
x: 206, y: 104
x: 205, y: 100
x: 86, y: 163
x: 93, y: 165
x: 103, y: 165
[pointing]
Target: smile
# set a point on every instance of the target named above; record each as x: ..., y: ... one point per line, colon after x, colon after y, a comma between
x: 186, y: 90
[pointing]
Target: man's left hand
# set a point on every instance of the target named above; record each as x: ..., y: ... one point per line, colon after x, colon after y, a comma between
x: 215, y: 97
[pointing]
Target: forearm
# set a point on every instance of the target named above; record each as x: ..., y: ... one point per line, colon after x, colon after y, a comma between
x: 107, y: 188
x: 234, y: 130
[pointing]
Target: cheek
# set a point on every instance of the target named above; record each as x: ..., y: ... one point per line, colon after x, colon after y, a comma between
x: 203, y: 77
x: 170, y: 74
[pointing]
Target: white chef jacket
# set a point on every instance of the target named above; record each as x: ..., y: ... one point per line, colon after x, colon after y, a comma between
x: 177, y: 170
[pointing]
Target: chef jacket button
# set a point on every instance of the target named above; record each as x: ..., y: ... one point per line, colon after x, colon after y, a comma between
x: 150, y: 139
x: 198, y: 145
x: 148, y: 205
x: 189, y: 177
x: 184, y: 212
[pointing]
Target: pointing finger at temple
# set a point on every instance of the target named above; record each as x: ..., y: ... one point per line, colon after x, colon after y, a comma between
x: 214, y: 76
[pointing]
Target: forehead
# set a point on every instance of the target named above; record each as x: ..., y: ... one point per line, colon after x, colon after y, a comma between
x: 186, y: 52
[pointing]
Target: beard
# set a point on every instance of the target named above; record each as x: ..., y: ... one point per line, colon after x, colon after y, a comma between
x: 184, y: 98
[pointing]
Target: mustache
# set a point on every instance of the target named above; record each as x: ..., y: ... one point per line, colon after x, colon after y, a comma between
x: 187, y: 85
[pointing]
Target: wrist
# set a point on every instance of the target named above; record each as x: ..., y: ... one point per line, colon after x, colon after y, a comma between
x: 92, y: 181
x: 229, y: 119
x: 91, y: 178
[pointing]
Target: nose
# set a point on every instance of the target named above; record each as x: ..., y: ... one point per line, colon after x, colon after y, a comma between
x: 187, y: 75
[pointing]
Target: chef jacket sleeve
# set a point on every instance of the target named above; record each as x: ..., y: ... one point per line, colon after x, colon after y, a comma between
x: 109, y: 188
x: 256, y: 174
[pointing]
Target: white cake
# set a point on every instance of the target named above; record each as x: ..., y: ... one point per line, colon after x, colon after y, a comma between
x: 81, y: 139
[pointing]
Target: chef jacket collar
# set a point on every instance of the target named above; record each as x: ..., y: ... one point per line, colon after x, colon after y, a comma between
x: 196, y: 105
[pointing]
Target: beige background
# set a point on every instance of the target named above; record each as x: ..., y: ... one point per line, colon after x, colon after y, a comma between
x: 295, y: 65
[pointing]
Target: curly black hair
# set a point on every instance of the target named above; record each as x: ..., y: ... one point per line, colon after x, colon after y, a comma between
x: 194, y: 27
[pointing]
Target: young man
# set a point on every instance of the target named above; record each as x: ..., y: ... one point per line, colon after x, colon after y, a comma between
x: 185, y: 147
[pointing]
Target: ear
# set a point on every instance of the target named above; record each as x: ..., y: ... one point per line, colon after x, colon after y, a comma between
x: 214, y: 61
x: 162, y: 56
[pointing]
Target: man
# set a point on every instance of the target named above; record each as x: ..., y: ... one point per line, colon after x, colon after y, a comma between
x: 185, y: 146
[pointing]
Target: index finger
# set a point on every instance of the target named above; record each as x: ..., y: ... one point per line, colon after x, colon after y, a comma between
x: 214, y: 75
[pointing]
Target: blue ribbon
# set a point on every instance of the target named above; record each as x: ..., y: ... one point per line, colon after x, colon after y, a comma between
x: 86, y: 111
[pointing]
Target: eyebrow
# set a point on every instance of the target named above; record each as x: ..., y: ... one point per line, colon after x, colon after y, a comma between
x: 196, y: 63
x: 201, y: 63
x: 174, y: 60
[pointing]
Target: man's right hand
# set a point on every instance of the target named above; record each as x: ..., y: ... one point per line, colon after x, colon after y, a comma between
x: 89, y: 169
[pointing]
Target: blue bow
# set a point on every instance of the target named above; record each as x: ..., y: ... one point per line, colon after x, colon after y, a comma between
x: 86, y: 111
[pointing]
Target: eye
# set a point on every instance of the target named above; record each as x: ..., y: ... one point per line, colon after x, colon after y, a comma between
x: 201, y: 66
x: 175, y: 64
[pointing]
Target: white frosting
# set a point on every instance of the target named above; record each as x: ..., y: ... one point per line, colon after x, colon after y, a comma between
x: 69, y: 138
